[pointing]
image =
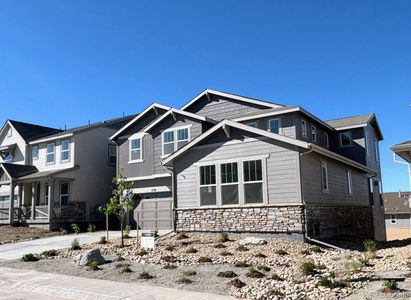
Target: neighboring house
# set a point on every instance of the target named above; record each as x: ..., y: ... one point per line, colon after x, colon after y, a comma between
x: 225, y: 162
x: 397, y: 215
x: 55, y: 176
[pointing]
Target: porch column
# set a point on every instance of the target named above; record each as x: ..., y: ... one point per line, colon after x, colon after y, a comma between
x: 33, y: 199
x: 20, y: 200
x: 51, y: 199
x: 11, y: 207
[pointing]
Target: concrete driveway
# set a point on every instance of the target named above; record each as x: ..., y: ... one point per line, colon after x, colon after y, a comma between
x: 17, y: 250
x: 24, y: 284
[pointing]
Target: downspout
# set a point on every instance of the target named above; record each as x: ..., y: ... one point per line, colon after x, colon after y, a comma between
x: 171, y: 170
x: 313, y: 240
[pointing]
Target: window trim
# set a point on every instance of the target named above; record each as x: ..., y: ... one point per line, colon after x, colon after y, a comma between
x: 108, y: 154
x: 63, y: 195
x: 280, y: 125
x: 130, y: 149
x: 313, y: 133
x: 62, y: 151
x: 240, y: 171
x: 325, y: 165
x: 10, y: 132
x: 349, y: 182
x: 303, y: 128
x: 199, y: 185
x: 237, y: 183
x: 340, y: 138
x: 32, y: 151
x: 376, y: 150
x: 326, y: 140
x: 175, y: 142
x: 54, y: 153
x: 393, y: 220
x: 252, y: 124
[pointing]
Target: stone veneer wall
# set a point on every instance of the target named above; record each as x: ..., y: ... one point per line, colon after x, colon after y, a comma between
x: 281, y: 219
x: 329, y: 221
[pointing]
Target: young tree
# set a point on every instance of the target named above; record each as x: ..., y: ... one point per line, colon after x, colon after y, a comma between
x: 121, y: 201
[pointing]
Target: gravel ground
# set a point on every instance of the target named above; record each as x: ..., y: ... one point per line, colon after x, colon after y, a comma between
x: 12, y: 234
x: 283, y: 257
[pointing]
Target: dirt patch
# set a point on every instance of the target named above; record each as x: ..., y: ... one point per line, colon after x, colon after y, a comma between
x: 12, y: 234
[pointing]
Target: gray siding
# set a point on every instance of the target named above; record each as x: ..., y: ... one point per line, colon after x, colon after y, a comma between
x: 221, y: 107
x: 403, y: 221
x: 337, y: 181
x: 282, y: 168
x: 357, y: 150
x: 288, y: 122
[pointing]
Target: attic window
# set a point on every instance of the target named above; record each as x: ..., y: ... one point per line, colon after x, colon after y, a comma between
x: 345, y: 138
x: 10, y: 132
x: 8, y: 157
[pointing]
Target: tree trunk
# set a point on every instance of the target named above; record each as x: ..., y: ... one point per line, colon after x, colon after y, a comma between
x: 121, y: 228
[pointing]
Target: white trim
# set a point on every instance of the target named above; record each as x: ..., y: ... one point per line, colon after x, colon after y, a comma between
x: 54, y: 154
x: 393, y: 220
x: 51, y: 139
x: 252, y: 124
x: 155, y: 176
x: 351, y: 126
x: 234, y: 97
x: 326, y: 140
x: 313, y: 132
x: 137, y: 160
x: 10, y: 132
x: 230, y: 123
x: 280, y: 128
x: 340, y: 134
x: 137, y: 135
x: 231, y: 160
x: 177, y: 111
x: 175, y: 140
x: 62, y: 151
x: 138, y: 117
x: 151, y: 189
x: 303, y: 128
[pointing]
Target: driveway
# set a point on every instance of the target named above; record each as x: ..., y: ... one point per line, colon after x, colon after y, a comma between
x: 24, y: 284
x: 17, y: 250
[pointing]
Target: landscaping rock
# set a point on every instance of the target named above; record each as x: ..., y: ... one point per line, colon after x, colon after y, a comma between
x: 87, y: 257
x: 253, y: 241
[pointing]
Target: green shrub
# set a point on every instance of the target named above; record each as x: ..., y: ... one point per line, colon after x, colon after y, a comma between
x: 145, y: 275
x: 391, y: 284
x: 191, y: 250
x: 91, y: 228
x: 189, y: 273
x: 93, y: 266
x: 63, y: 231
x: 370, y: 246
x: 317, y: 249
x: 75, y: 244
x: 124, y: 268
x: 49, y: 253
x: 29, y: 257
x: 142, y: 252
x: 184, y: 280
x: 227, y: 274
x: 241, y: 264
x: 308, y: 268
x: 103, y: 240
x: 253, y: 273
x: 236, y: 283
x: 75, y: 228
x: 329, y: 282
x: 204, y: 259
x: 224, y: 237
x: 126, y: 232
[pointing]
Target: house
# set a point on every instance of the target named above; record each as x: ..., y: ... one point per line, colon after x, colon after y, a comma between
x: 51, y: 177
x: 397, y: 215
x: 225, y: 162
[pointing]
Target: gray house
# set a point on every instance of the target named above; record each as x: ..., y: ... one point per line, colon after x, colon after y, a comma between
x: 225, y: 162
x: 398, y: 215
x: 51, y: 177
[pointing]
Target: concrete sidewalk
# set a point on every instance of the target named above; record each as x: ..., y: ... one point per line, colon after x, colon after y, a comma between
x: 24, y: 284
x: 17, y: 250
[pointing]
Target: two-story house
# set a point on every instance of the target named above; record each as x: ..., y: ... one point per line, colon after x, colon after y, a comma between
x: 55, y: 177
x: 225, y: 162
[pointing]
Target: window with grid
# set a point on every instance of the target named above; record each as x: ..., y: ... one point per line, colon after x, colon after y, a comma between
x: 253, y: 181
x: 229, y: 183
x: 208, y: 188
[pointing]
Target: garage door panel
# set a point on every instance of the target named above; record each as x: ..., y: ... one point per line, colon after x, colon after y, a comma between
x: 155, y: 214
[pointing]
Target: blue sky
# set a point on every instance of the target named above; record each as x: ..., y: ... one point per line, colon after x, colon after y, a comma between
x: 68, y: 62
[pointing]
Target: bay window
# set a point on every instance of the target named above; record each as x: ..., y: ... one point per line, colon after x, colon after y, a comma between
x: 174, y: 139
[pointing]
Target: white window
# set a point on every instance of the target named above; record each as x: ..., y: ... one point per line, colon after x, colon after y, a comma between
x: 174, y: 139
x: 10, y: 132
x: 377, y: 151
x: 64, y: 193
x: 253, y: 181
x: 326, y: 140
x: 35, y: 152
x: 112, y: 155
x: 65, y: 151
x: 324, y: 177
x: 208, y: 188
x: 393, y: 219
x: 274, y: 126
x: 50, y: 153
x: 135, y: 150
x: 8, y: 157
x: 345, y: 138
x: 349, y: 182
x: 303, y: 128
x: 252, y: 124
x: 229, y: 183
x: 313, y: 134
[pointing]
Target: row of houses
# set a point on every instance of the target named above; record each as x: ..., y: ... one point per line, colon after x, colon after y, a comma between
x: 222, y: 162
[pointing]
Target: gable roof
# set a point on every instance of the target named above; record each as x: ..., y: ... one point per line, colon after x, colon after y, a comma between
x: 138, y: 117
x: 113, y: 124
x: 397, y: 203
x: 356, y: 122
x: 30, y: 132
x: 180, y: 112
x: 225, y: 124
x: 232, y: 96
x: 15, y: 171
x: 403, y: 150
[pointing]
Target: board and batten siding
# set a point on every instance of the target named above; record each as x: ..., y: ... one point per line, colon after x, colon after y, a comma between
x: 337, y: 182
x: 282, y: 169
x: 221, y: 107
